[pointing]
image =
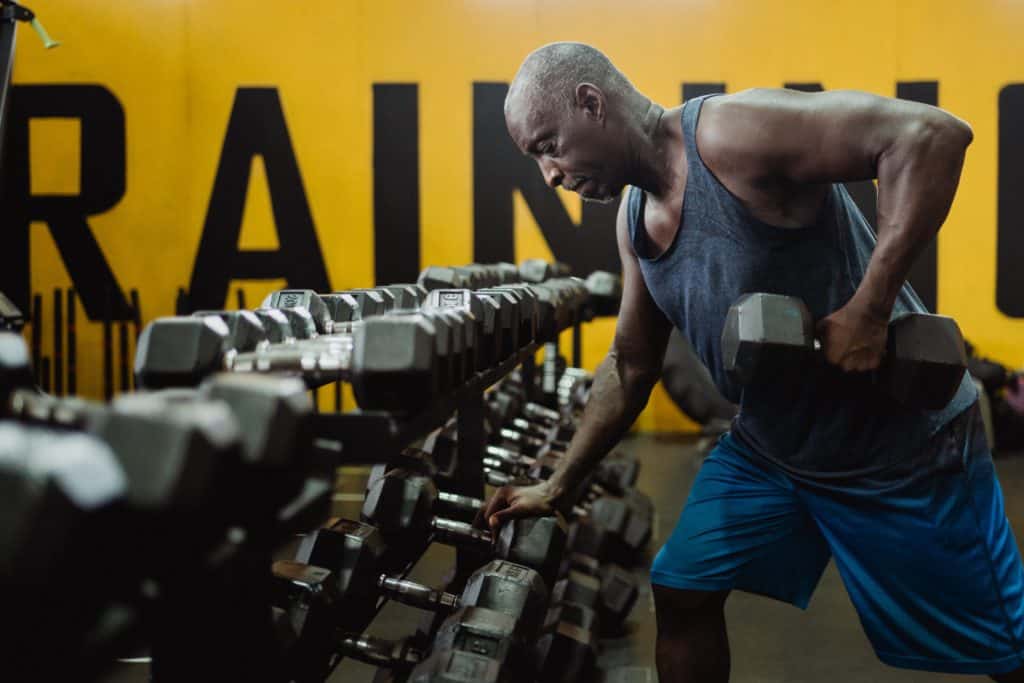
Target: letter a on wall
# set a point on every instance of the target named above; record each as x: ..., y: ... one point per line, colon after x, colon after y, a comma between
x: 257, y: 127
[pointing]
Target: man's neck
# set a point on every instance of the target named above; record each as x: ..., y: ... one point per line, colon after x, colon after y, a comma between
x: 656, y: 163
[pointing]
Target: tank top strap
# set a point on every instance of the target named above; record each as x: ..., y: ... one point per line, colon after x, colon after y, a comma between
x: 698, y: 173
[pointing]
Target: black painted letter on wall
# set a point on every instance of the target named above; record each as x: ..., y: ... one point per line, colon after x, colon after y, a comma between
x: 257, y: 127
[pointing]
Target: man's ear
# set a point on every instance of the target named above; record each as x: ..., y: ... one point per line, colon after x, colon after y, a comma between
x: 591, y: 100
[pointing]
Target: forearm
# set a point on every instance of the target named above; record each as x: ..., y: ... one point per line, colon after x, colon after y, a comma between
x: 917, y: 179
x: 617, y: 397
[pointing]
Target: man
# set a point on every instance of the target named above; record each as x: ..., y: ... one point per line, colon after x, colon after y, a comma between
x: 740, y: 193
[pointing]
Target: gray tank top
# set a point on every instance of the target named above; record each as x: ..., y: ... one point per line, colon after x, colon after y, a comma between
x: 828, y: 423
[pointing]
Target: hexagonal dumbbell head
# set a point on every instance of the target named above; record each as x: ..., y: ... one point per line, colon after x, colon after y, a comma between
x: 372, y: 302
x: 407, y: 296
x: 605, y: 293
x: 509, y: 273
x: 401, y: 503
x: 459, y: 666
x: 342, y: 307
x: 766, y: 335
x: 395, y: 362
x: 11, y: 317
x: 276, y: 325
x: 15, y: 366
x: 925, y: 360
x: 566, y: 652
x: 355, y: 553
x: 305, y: 299
x: 300, y: 321
x: 245, y: 329
x: 512, y: 589
x: 535, y: 270
x: 537, y: 542
x: 439, y: 277
x: 483, y: 310
x: 177, y: 456
x: 180, y: 351
x: 55, y: 487
x: 485, y: 632
x: 272, y: 413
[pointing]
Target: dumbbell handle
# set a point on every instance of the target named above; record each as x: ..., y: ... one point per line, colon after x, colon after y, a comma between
x: 458, y: 502
x: 416, y: 594
x: 379, y: 652
x: 457, y: 532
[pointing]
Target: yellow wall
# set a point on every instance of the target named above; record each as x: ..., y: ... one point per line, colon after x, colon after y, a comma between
x: 175, y: 66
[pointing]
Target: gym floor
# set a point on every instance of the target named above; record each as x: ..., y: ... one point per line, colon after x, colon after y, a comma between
x: 771, y: 642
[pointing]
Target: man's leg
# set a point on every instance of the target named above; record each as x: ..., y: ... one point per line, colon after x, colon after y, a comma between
x: 1012, y: 677
x: 692, y: 643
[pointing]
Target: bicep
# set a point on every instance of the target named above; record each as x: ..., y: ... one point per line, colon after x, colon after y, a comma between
x: 641, y: 330
x: 809, y: 138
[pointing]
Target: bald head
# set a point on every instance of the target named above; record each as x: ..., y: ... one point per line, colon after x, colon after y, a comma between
x: 573, y: 112
x: 550, y: 75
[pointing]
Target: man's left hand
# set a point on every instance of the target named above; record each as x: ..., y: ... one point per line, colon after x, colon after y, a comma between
x: 853, y: 338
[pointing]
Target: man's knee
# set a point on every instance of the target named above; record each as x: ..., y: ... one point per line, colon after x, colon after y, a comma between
x: 678, y: 610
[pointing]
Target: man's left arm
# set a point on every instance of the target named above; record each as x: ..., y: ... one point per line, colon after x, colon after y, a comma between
x: 785, y: 140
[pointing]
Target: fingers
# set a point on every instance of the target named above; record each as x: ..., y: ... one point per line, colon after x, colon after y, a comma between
x: 498, y: 518
x: 498, y: 501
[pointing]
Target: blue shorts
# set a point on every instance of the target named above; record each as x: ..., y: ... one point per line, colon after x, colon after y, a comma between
x: 924, y: 548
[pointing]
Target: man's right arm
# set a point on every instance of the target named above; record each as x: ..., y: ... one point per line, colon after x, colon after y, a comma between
x: 622, y: 386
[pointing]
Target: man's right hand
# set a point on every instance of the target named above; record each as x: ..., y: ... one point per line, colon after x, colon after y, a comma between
x: 511, y: 502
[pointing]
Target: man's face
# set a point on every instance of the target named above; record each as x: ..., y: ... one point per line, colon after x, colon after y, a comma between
x: 574, y: 148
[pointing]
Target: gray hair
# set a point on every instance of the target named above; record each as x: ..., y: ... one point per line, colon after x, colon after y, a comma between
x: 552, y: 72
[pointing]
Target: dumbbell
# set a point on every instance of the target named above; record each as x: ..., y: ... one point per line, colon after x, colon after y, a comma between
x: 390, y: 361
x: 507, y: 407
x: 605, y: 293
x: 483, y: 312
x: 402, y: 502
x: 15, y: 364
x: 566, y: 650
x: 620, y: 523
x: 356, y: 552
x: 531, y: 314
x: 768, y: 336
x: 62, y: 497
x: 455, y: 344
x: 274, y: 466
x: 516, y: 317
x: 309, y: 598
x: 605, y: 592
x: 246, y: 331
x: 407, y: 295
x: 307, y: 602
x: 460, y: 666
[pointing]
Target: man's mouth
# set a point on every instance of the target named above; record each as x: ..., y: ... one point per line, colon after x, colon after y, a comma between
x: 576, y: 186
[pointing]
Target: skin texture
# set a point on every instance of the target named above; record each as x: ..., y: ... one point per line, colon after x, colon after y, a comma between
x: 777, y: 151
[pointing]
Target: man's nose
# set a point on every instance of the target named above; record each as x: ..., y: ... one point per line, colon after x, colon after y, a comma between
x: 552, y: 175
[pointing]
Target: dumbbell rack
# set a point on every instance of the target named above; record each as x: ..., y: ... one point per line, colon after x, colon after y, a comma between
x: 357, y: 437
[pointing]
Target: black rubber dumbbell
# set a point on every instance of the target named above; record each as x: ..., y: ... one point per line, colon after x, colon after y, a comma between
x: 355, y: 551
x: 402, y: 504
x: 310, y: 597
x: 768, y: 337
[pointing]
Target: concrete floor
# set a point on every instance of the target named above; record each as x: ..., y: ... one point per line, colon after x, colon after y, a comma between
x: 770, y: 642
